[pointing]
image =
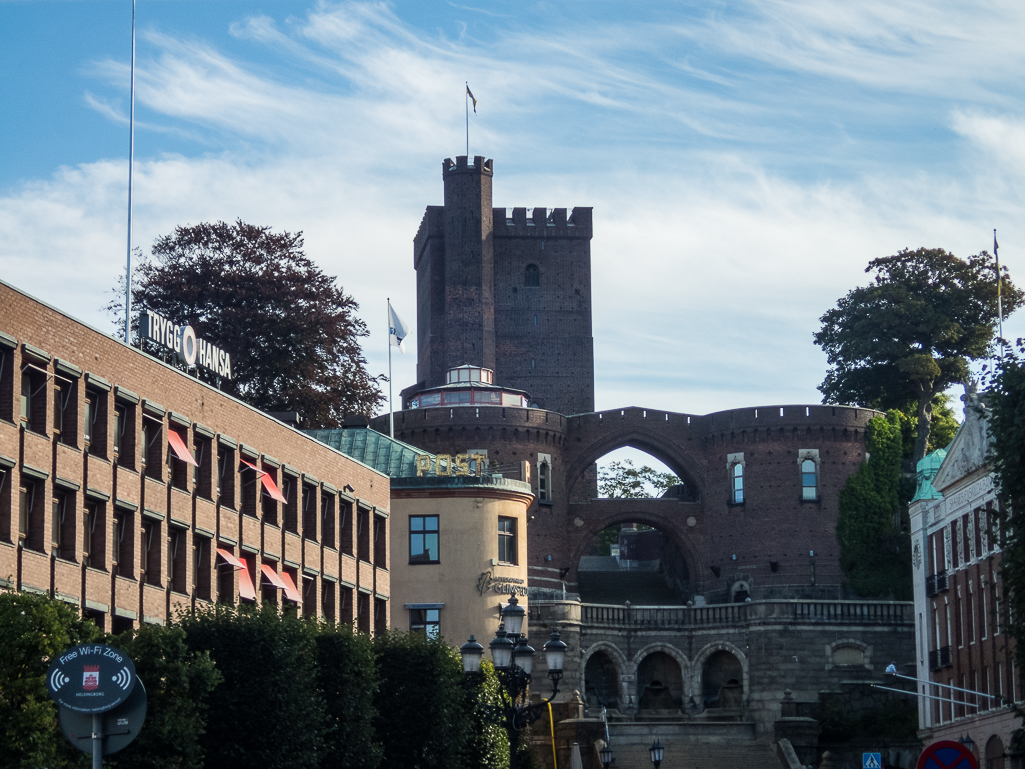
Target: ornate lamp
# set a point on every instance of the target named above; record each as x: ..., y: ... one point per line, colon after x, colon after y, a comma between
x: 472, y: 653
x: 555, y: 655
x: 606, y: 757
x: 512, y: 616
x: 501, y: 649
x: 657, y: 753
x: 968, y: 742
x: 523, y: 655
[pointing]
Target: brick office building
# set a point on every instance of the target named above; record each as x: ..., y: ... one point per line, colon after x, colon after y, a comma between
x: 131, y: 489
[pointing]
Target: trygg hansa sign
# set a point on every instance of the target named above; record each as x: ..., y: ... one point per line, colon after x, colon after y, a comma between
x: 183, y: 341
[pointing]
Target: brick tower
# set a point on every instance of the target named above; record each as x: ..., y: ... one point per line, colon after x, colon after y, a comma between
x: 506, y: 291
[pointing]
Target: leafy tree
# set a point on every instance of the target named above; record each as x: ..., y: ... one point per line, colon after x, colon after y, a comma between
x: 347, y: 675
x: 875, y: 548
x: 944, y: 427
x: 269, y: 711
x: 33, y: 630
x: 293, y: 335
x: 621, y: 480
x: 424, y: 709
x: 911, y: 333
x: 179, y: 682
x: 1005, y: 401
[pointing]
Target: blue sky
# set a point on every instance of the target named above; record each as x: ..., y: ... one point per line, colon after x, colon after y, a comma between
x: 744, y: 160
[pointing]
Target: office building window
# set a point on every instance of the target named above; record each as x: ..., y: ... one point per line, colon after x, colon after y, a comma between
x: 124, y: 535
x: 33, y: 397
x: 202, y: 471
x: 425, y: 622
x: 309, y: 592
x: 809, y: 479
x: 95, y: 422
x: 94, y: 540
x: 346, y: 606
x: 179, y: 458
x: 152, y: 450
x: 289, y: 487
x: 249, y: 480
x: 380, y: 542
x: 327, y: 519
x: 327, y: 600
x: 150, y: 551
x: 346, y: 526
x: 380, y: 616
x: 62, y: 528
x: 177, y: 558
x: 310, y: 511
x: 226, y: 476
x: 65, y: 407
x: 363, y: 533
x: 423, y: 539
x: 507, y: 540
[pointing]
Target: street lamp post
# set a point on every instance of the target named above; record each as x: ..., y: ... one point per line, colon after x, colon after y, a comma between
x: 657, y: 753
x: 513, y: 658
x: 606, y: 757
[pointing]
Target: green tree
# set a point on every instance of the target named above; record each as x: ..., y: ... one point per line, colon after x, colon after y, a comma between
x: 347, y: 675
x: 33, y: 630
x: 910, y: 334
x: 875, y: 548
x: 621, y: 480
x: 269, y: 711
x: 179, y: 682
x: 293, y: 335
x: 424, y: 711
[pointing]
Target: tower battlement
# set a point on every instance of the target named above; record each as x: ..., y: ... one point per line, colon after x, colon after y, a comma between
x: 542, y: 223
x: 461, y: 165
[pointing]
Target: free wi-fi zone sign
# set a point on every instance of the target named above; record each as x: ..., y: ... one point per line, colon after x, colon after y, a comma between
x: 92, y: 678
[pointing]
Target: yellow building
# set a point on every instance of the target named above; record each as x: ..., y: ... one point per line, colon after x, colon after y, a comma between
x: 458, y: 543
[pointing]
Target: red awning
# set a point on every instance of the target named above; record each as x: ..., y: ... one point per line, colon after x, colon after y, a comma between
x: 245, y: 585
x: 272, y: 576
x: 290, y: 591
x: 230, y: 558
x: 251, y: 466
x: 180, y: 449
x: 272, y: 488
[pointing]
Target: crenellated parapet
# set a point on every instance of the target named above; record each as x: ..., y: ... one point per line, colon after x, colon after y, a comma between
x: 543, y: 223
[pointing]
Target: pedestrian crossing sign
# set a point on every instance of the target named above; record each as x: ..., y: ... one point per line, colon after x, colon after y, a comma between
x: 871, y: 761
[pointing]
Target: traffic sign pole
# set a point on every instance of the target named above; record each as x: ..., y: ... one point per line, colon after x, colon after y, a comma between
x: 97, y: 741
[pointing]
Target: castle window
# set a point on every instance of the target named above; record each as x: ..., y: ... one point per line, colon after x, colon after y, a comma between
x: 507, y: 540
x: 423, y: 539
x: 532, y: 276
x: 809, y: 479
x: 737, y: 480
x: 544, y: 478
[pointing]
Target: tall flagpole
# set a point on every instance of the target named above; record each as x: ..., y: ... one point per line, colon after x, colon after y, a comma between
x: 391, y: 411
x: 1000, y: 306
x: 131, y: 163
x: 466, y: 104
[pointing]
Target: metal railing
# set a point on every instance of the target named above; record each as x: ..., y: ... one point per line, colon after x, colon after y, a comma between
x: 800, y: 611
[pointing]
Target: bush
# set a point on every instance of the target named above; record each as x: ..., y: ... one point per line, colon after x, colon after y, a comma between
x: 347, y: 675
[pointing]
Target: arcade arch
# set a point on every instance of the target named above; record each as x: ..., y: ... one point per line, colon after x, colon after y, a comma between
x: 721, y: 676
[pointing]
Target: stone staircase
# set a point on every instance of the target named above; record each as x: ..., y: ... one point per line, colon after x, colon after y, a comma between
x: 691, y: 746
x: 640, y: 588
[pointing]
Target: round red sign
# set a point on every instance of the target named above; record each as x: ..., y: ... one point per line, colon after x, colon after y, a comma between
x: 947, y: 754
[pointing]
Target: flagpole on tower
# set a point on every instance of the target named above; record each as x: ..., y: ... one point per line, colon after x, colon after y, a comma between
x: 466, y: 105
x: 391, y: 411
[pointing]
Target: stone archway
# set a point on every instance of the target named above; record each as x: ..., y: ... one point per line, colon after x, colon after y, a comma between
x: 721, y: 678
x: 598, y: 677
x: 994, y: 753
x: 660, y: 684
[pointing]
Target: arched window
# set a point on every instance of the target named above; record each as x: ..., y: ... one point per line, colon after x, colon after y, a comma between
x: 809, y: 479
x: 737, y: 474
x: 532, y: 276
x: 544, y: 478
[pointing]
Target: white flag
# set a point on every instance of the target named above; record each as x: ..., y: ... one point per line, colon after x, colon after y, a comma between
x: 397, y: 331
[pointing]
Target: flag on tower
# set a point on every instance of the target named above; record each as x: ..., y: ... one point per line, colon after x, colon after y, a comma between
x: 397, y: 330
x: 472, y: 98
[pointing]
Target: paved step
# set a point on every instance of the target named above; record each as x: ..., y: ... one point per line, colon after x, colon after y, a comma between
x: 640, y: 588
x: 692, y: 745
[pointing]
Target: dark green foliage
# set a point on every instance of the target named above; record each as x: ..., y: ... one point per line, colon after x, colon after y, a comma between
x: 424, y: 708
x: 875, y: 548
x: 34, y: 629
x: 1006, y: 404
x: 293, y: 335
x: 347, y: 676
x: 268, y: 711
x: 178, y: 683
x: 488, y: 746
x: 910, y: 334
x: 862, y: 713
